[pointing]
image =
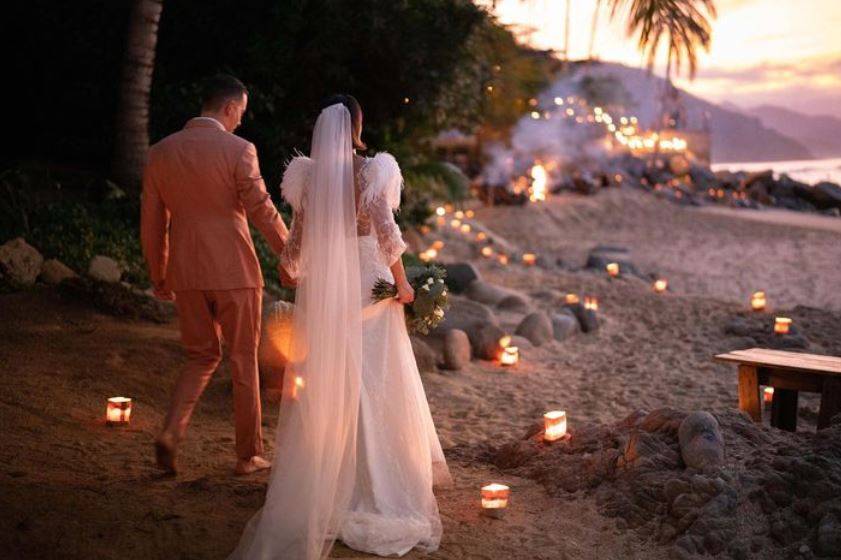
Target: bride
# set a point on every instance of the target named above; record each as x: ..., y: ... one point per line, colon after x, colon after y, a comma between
x: 356, y: 450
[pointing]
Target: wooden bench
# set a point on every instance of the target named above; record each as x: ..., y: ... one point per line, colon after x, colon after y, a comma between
x: 788, y: 373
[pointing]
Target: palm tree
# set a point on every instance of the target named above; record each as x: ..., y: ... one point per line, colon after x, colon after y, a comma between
x: 593, y: 26
x: 684, y: 25
x: 132, y: 122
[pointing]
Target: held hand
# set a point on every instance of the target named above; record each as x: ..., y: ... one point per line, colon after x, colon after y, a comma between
x: 405, y: 293
x: 162, y: 293
x: 285, y: 280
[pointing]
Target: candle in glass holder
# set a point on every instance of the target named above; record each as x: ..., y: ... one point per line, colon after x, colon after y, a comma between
x: 487, y: 252
x: 782, y: 325
x: 555, y: 425
x: 495, y: 499
x: 118, y: 411
x: 660, y: 286
x: 455, y: 223
x: 768, y: 394
x: 465, y: 228
x: 510, y: 356
x: 481, y: 236
x: 441, y: 220
x: 503, y: 259
x: 297, y: 386
x: 591, y: 303
x: 612, y: 269
x: 470, y: 213
x: 459, y: 214
x: 758, y: 301
x: 438, y: 245
x: 572, y: 299
x: 529, y: 259
x: 440, y: 211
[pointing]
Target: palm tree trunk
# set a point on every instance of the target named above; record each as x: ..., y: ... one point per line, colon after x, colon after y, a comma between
x: 131, y: 142
x: 566, y: 31
x: 593, y: 29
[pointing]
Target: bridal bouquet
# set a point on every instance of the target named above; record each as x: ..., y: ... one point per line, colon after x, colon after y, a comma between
x: 431, y: 300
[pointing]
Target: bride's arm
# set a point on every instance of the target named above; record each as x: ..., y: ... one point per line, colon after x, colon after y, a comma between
x: 392, y: 246
x: 291, y: 255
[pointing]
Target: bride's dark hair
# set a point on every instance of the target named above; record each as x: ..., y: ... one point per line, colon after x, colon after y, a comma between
x: 355, y: 109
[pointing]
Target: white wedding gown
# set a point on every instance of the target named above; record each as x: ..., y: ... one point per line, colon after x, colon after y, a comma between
x: 398, y: 456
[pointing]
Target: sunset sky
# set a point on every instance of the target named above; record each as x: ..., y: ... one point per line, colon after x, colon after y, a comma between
x: 780, y: 52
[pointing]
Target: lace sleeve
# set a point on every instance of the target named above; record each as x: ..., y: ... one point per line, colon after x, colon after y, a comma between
x: 290, y: 257
x: 388, y: 233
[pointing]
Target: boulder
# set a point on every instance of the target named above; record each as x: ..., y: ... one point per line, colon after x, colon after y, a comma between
x: 523, y: 343
x: 588, y: 320
x: 275, y: 344
x: 537, y: 327
x: 424, y: 355
x: 827, y: 195
x: 20, y: 262
x: 456, y: 349
x: 460, y: 276
x: 515, y: 302
x: 464, y: 315
x: 564, y: 325
x: 489, y: 294
x: 54, y: 272
x: 104, y: 269
x: 701, y: 442
x: 484, y: 341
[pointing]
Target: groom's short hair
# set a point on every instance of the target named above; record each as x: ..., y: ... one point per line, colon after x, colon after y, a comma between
x: 220, y: 89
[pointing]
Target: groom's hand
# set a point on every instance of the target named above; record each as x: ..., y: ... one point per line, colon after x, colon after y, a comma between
x: 285, y: 280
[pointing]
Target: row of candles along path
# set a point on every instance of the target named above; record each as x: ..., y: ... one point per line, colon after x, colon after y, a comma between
x: 495, y: 496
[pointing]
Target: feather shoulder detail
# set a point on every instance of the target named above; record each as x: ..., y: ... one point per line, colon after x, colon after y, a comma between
x: 295, y: 180
x: 382, y: 178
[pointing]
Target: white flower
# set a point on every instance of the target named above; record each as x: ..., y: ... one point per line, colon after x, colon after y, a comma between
x: 439, y: 312
x: 426, y: 287
x: 444, y: 292
x: 430, y: 280
x: 440, y: 281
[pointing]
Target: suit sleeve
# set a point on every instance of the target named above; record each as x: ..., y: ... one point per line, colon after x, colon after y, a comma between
x: 258, y: 204
x: 154, y: 227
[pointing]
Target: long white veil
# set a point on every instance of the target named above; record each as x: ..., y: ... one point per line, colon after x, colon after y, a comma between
x: 314, y: 465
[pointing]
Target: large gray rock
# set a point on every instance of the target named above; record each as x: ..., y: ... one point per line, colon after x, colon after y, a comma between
x: 104, y: 269
x: 485, y: 341
x: 487, y: 293
x: 827, y: 195
x: 701, y: 442
x: 464, y: 315
x: 588, y: 319
x: 54, y: 272
x: 460, y: 276
x: 537, y: 327
x: 564, y: 325
x: 456, y: 349
x: 20, y: 262
x: 515, y: 302
x: 424, y: 355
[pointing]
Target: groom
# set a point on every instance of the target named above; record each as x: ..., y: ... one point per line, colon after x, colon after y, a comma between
x: 201, y: 188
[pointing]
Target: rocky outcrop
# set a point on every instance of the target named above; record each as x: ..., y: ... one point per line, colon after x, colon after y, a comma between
x: 104, y: 269
x: 53, y: 272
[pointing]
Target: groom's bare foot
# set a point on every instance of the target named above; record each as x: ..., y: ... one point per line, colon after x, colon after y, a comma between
x: 165, y: 453
x: 252, y: 465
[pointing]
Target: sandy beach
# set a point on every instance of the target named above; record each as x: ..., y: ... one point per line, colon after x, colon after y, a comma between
x: 73, y: 488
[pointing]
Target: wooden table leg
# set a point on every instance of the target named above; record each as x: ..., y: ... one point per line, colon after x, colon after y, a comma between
x: 784, y: 409
x: 830, y: 401
x: 749, y: 392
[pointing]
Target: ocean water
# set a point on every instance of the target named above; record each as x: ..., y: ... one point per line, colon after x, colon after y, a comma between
x: 808, y: 171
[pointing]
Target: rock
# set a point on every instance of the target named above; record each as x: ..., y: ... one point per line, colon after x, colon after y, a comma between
x: 829, y: 536
x: 515, y: 302
x: 456, y: 349
x: 489, y: 294
x: 484, y: 341
x: 601, y: 255
x: 20, y: 262
x: 588, y: 320
x: 275, y: 344
x: 460, y: 276
x: 564, y: 325
x: 54, y: 271
x: 701, y: 442
x: 465, y: 314
x: 524, y: 343
x: 425, y: 356
x: 827, y: 195
x: 104, y: 269
x: 537, y: 327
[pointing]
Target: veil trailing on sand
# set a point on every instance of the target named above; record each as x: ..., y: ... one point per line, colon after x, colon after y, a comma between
x: 314, y: 466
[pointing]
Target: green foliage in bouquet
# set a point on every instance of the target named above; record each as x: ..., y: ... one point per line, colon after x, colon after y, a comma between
x: 431, y: 297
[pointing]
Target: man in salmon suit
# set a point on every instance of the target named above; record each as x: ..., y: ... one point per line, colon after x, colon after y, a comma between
x: 201, y: 188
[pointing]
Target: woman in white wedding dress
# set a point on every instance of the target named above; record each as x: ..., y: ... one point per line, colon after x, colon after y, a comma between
x: 356, y: 454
